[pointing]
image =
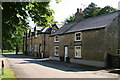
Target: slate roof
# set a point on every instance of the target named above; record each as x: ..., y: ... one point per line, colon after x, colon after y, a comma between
x: 64, y: 28
x: 97, y: 22
x: 46, y: 30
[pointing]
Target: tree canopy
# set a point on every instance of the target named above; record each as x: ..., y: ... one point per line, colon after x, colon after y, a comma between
x: 92, y: 10
x: 14, y: 20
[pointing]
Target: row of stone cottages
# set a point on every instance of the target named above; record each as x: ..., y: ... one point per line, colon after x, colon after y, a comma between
x: 84, y: 41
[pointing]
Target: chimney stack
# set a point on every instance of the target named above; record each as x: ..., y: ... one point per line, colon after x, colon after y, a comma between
x: 79, y: 14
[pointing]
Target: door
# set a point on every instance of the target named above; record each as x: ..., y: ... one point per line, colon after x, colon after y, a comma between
x: 40, y: 51
x: 65, y: 53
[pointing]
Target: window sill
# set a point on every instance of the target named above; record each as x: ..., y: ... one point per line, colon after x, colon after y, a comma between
x: 78, y: 40
x: 56, y: 41
x: 56, y: 56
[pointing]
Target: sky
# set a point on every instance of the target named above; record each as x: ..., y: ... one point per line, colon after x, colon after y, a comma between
x: 68, y: 7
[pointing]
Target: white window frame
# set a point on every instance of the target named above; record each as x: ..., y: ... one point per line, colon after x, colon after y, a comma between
x: 56, y: 50
x: 80, y: 36
x: 35, y: 47
x: 55, y: 40
x: 35, y: 33
x: 80, y: 52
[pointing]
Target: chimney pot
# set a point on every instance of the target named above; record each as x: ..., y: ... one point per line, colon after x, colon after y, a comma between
x: 78, y: 10
x: 79, y: 14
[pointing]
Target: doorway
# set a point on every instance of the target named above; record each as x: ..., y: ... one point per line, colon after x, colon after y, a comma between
x: 65, y: 52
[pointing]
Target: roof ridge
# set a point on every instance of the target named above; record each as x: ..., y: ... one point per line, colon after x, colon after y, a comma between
x: 102, y: 15
x: 90, y: 18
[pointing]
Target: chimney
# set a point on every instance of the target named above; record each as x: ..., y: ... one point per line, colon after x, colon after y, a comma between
x: 79, y: 14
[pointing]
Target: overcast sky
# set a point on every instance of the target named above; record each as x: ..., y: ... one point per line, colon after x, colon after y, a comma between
x: 68, y: 7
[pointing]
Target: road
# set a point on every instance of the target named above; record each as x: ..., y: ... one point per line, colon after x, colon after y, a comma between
x: 28, y: 67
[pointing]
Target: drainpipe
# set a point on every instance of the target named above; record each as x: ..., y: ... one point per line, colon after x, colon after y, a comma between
x: 23, y: 44
x: 44, y: 45
x: 26, y: 44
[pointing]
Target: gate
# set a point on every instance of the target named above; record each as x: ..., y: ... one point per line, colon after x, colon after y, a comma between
x: 113, y: 61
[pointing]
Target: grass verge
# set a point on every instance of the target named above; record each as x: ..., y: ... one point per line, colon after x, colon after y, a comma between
x: 115, y: 71
x: 8, y: 75
x: 1, y: 53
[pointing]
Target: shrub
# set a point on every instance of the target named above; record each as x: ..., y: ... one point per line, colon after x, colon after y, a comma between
x: 68, y: 59
x: 61, y: 58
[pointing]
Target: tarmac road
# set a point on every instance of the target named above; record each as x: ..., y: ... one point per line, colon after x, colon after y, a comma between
x: 42, y: 69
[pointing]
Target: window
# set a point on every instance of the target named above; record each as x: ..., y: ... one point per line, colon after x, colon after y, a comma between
x: 53, y: 31
x: 35, y: 33
x: 30, y: 47
x: 77, y: 51
x: 118, y: 51
x: 56, y: 39
x: 35, y: 47
x: 56, y: 50
x: 78, y: 36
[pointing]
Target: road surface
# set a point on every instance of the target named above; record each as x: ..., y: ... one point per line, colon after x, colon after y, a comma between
x: 28, y: 67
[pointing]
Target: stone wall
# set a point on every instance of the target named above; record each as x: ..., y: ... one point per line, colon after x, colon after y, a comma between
x: 111, y: 38
x: 92, y: 45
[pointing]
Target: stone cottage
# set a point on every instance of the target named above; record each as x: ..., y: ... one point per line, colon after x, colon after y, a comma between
x: 36, y: 41
x: 87, y: 41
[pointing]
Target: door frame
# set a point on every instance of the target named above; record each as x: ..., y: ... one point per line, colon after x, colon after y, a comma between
x: 66, y: 46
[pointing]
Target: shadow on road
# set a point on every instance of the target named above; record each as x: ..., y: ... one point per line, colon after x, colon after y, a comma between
x: 67, y: 67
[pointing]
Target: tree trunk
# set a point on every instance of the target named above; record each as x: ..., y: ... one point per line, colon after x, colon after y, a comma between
x: 17, y: 50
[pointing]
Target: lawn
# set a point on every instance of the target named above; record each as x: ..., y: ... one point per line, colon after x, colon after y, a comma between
x: 8, y: 75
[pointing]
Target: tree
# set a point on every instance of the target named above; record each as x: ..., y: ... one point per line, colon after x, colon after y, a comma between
x: 14, y: 16
x: 92, y: 10
x: 69, y: 19
x: 106, y: 9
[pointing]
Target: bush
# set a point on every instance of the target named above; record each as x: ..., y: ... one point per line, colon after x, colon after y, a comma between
x: 68, y: 59
x: 61, y: 58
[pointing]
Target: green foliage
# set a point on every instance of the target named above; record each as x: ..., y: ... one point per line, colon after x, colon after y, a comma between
x: 8, y: 51
x: 69, y: 19
x: 115, y: 71
x: 8, y: 75
x: 14, y: 20
x: 92, y: 10
x: 106, y: 9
